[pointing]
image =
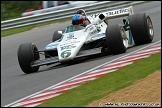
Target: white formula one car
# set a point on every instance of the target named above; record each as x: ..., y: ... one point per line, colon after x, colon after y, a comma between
x: 97, y: 37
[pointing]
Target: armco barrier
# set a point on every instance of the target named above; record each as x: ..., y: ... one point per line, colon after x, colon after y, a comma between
x: 66, y: 13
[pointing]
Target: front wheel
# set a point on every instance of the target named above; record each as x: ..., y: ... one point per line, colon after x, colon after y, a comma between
x: 27, y: 53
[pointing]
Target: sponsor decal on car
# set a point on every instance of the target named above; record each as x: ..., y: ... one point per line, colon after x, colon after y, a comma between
x: 95, y: 15
x: 67, y: 47
x: 110, y: 13
x: 66, y: 54
x: 93, y: 32
x: 120, y: 11
x: 71, y: 36
x: 69, y: 42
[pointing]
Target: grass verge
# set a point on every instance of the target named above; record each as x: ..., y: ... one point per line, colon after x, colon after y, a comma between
x: 96, y: 89
x: 26, y: 28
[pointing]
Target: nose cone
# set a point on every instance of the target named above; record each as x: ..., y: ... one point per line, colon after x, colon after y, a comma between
x: 65, y: 54
x: 70, y: 45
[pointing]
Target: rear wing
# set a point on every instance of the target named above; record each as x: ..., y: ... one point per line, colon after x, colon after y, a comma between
x: 115, y: 13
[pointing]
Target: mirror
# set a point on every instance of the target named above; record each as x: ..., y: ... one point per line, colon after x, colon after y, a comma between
x: 59, y: 32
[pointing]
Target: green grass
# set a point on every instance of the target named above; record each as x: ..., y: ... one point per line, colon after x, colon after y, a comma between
x: 96, y: 89
x: 26, y: 28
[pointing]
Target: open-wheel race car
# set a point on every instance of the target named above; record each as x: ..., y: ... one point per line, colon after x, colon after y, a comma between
x: 97, y: 37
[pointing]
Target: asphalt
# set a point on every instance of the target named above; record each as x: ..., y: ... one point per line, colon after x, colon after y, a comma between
x: 16, y: 85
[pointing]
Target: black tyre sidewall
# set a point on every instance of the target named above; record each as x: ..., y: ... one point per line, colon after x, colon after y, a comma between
x: 26, y: 57
x: 114, y: 39
x: 140, y: 29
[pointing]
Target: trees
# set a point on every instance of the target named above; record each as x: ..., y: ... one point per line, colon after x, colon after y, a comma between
x: 14, y: 9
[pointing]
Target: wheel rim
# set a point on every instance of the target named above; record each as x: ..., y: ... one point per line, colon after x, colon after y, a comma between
x: 125, y: 39
x: 36, y: 55
x: 150, y: 27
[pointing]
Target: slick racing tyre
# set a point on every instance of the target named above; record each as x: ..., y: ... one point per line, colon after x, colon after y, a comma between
x: 26, y: 55
x: 141, y: 28
x: 116, y: 39
x: 56, y: 35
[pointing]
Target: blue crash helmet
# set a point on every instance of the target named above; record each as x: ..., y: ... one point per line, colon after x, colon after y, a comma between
x: 78, y: 19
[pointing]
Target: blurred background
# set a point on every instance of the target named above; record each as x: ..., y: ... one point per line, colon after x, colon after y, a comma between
x: 16, y: 9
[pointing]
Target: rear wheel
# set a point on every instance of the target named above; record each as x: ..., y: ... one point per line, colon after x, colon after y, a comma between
x: 141, y: 28
x: 27, y: 53
x: 116, y: 39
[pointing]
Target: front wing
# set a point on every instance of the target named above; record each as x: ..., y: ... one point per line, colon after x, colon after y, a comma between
x: 53, y: 60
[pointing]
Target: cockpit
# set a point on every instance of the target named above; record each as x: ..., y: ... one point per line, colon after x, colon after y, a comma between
x: 73, y: 28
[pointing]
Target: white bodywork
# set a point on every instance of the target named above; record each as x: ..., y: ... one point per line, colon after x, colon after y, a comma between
x: 70, y: 43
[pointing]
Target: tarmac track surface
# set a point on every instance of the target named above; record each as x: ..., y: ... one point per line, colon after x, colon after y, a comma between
x: 16, y: 85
